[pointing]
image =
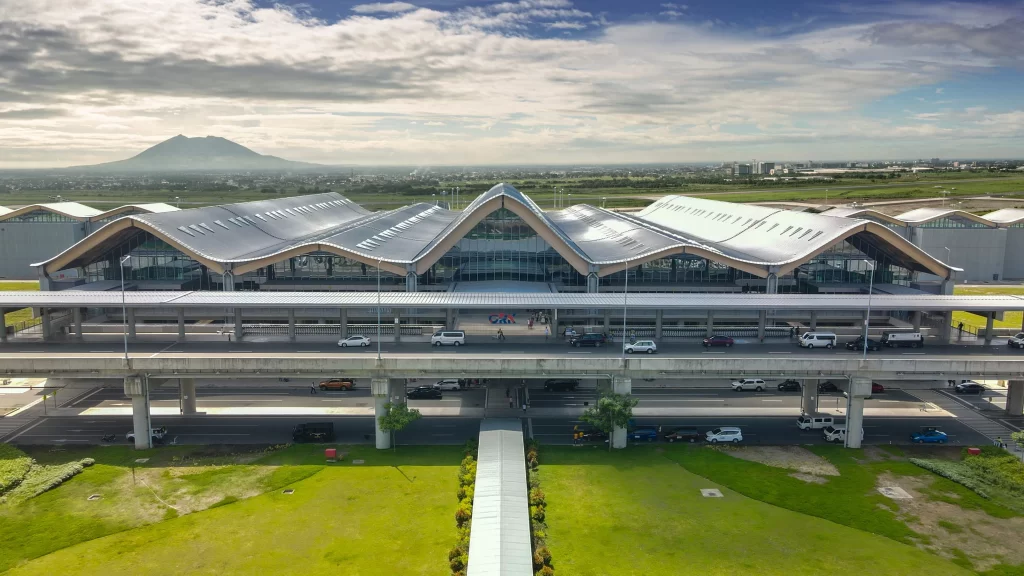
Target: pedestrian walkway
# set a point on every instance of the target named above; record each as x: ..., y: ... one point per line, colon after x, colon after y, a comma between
x: 499, y: 541
x: 968, y: 416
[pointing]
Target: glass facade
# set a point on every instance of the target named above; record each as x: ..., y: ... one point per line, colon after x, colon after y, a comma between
x: 150, y: 258
x: 952, y: 222
x: 42, y: 216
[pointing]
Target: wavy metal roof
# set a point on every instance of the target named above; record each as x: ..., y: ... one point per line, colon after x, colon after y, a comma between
x: 1006, y: 216
x: 82, y: 212
x: 245, y: 236
x: 925, y: 215
x: 868, y: 213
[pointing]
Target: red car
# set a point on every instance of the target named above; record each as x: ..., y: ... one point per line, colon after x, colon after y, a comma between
x: 726, y: 341
x: 876, y: 388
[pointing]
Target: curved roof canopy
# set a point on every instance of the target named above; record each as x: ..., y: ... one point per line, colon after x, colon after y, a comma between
x: 866, y: 213
x: 81, y: 212
x: 246, y: 236
x: 925, y: 215
x: 1006, y: 216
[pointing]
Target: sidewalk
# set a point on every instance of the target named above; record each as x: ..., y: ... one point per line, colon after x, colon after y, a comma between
x: 968, y: 416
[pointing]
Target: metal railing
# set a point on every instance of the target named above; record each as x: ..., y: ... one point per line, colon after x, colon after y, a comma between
x: 690, y: 331
x: 369, y: 330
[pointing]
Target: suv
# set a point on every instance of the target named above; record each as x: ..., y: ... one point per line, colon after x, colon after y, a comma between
x: 838, y: 434
x: 1017, y: 341
x: 789, y: 386
x: 649, y: 434
x: 724, y: 434
x: 448, y: 337
x: 647, y: 346
x: 450, y: 384
x: 314, y: 432
x: 337, y: 384
x: 827, y: 386
x: 748, y: 384
x: 858, y: 344
x: 588, y: 339
x: 684, y: 435
x: 561, y: 384
x: 424, y: 392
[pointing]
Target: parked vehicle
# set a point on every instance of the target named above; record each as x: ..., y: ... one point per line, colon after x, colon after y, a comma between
x: 903, y: 339
x: 648, y: 434
x: 724, y: 434
x: 726, y: 341
x: 969, y: 387
x: 827, y: 386
x: 594, y: 436
x: 561, y: 384
x: 748, y: 384
x: 789, y: 386
x: 684, y: 435
x: 313, y: 432
x: 1016, y: 341
x: 448, y: 384
x: 877, y: 388
x: 814, y: 422
x: 818, y: 340
x: 337, y: 384
x: 589, y: 339
x: 359, y: 341
x: 929, y: 436
x: 157, y: 435
x: 647, y: 346
x: 838, y: 434
x: 448, y: 338
x: 858, y: 344
x: 423, y: 393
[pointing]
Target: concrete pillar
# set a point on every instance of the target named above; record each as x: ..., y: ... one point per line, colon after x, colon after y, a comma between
x: 291, y: 324
x: 343, y: 323
x: 411, y: 281
x: 814, y: 320
x: 947, y: 327
x: 989, y: 321
x: 3, y: 326
x: 398, y: 325
x: 620, y: 385
x: 762, y: 318
x: 915, y: 317
x: 381, y: 390
x: 229, y: 282
x: 188, y: 395
x: 46, y: 323
x: 181, y: 324
x: 607, y: 320
x: 772, y: 283
x: 449, y: 319
x: 554, y: 323
x: 711, y: 324
x: 239, y: 327
x: 1015, y: 398
x: 658, y: 317
x: 131, y: 324
x: 137, y: 388
x: 77, y: 314
x: 592, y: 283
x: 809, y: 398
x: 858, y: 390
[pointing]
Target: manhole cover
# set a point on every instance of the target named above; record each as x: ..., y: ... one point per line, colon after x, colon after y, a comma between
x: 141, y: 460
x: 711, y: 492
x: 894, y: 492
x: 357, y: 461
x: 94, y: 497
x: 288, y: 491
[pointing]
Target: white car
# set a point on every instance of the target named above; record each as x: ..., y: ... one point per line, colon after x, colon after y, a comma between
x: 1016, y: 341
x: 354, y: 341
x: 158, y: 435
x: 647, y: 346
x: 448, y: 384
x: 724, y: 434
x: 748, y: 384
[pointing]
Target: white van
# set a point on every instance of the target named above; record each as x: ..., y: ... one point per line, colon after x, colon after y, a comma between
x: 448, y: 337
x: 894, y: 339
x: 838, y: 434
x: 818, y: 340
x: 813, y: 422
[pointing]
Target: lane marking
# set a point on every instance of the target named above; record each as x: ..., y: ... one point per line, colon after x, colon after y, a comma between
x: 164, y: 350
x: 913, y: 353
x: 712, y: 352
x: 40, y: 421
x: 780, y: 352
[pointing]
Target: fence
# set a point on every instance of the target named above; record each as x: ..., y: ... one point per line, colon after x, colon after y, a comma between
x: 335, y: 329
x: 695, y: 331
x: 33, y: 327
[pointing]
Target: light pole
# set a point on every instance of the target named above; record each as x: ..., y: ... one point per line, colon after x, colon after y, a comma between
x: 554, y: 197
x: 570, y: 199
x: 378, y: 309
x: 867, y: 318
x: 603, y: 200
x: 434, y: 197
x: 124, y: 310
x: 948, y: 256
x: 177, y: 201
x: 625, y: 296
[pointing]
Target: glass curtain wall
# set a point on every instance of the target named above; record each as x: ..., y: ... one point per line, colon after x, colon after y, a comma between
x: 150, y: 258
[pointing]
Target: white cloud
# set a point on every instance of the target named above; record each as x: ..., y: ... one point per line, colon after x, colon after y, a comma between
x: 938, y: 90
x: 386, y: 7
x: 563, y: 25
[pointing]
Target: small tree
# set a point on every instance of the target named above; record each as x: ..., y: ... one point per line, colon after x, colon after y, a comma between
x: 611, y: 411
x: 396, y: 417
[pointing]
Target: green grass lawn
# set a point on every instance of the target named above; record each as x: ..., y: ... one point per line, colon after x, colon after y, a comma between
x: 1010, y: 319
x: 390, y: 515
x: 25, y: 313
x: 640, y: 512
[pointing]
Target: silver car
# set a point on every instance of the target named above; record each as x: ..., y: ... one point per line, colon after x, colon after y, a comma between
x: 647, y: 346
x: 358, y: 341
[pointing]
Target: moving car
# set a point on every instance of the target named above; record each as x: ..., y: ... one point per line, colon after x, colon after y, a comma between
x: 594, y: 436
x: 724, y: 434
x: 969, y: 387
x: 838, y: 434
x: 561, y: 384
x: 589, y: 339
x: 424, y: 393
x: 448, y: 384
x: 313, y: 432
x: 813, y: 422
x: 876, y: 388
x: 1016, y: 341
x: 647, y: 346
x: 827, y: 386
x: 157, y: 434
x: 748, y: 384
x: 337, y: 384
x: 448, y: 338
x: 789, y: 386
x: 358, y: 341
x: 684, y: 435
x: 726, y: 341
x: 929, y: 436
x: 818, y: 340
x: 649, y: 434
x: 858, y: 344
x: 897, y: 339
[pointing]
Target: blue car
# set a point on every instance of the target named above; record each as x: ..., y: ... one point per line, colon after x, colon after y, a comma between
x: 649, y: 434
x: 929, y: 436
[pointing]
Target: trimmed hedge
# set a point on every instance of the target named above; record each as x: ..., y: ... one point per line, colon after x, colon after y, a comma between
x: 14, y: 465
x: 458, y: 555
x: 542, y: 565
x: 43, y: 478
x: 953, y: 471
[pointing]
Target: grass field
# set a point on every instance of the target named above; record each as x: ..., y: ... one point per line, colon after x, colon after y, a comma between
x: 12, y: 318
x: 1010, y: 319
x: 640, y: 512
x: 390, y: 515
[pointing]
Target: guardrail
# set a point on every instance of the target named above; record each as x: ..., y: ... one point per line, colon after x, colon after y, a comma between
x: 335, y: 329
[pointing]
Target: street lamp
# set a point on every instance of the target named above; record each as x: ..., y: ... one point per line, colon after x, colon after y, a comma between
x: 949, y: 258
x: 625, y: 295
x: 603, y: 200
x: 378, y: 309
x: 177, y: 201
x: 867, y: 319
x: 124, y: 310
x: 570, y: 199
x: 434, y: 196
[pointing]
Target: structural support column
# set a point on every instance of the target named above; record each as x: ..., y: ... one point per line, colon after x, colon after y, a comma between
x: 188, y: 395
x: 658, y: 317
x: 448, y: 318
x: 131, y: 324
x: 398, y: 325
x: 46, y: 324
x: 989, y: 321
x: 77, y: 314
x: 592, y: 283
x: 1015, y: 398
x: 772, y: 283
x: 343, y: 323
x: 554, y: 323
x: 762, y: 318
x: 607, y: 320
x: 239, y: 328
x: 620, y: 385
x: 711, y: 324
x: 915, y: 318
x: 181, y: 324
x: 859, y: 389
x: 137, y: 388
x: 411, y: 282
x: 947, y: 327
x: 3, y: 326
x: 814, y: 320
x: 809, y: 398
x: 291, y: 324
x: 381, y: 390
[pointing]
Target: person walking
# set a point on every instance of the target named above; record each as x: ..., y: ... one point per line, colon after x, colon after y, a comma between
x: 501, y: 335
x: 510, y: 403
x: 960, y: 329
x: 547, y: 332
x: 312, y: 388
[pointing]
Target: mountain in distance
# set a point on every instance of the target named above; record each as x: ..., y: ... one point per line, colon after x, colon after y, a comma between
x: 184, y: 154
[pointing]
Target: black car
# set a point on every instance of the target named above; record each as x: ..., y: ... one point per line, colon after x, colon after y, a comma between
x: 561, y: 384
x: 594, y: 436
x: 314, y: 432
x: 684, y: 435
x: 789, y: 386
x: 424, y: 392
x: 858, y: 344
x: 969, y: 388
x: 827, y: 386
x: 726, y: 341
x: 588, y: 339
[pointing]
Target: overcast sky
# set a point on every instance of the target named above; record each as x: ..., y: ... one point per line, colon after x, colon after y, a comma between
x: 448, y: 82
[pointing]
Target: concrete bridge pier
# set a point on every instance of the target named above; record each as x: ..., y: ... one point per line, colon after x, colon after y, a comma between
x: 858, y: 389
x: 381, y: 390
x: 137, y: 388
x: 188, y: 395
x: 809, y: 399
x: 1015, y: 398
x: 620, y: 385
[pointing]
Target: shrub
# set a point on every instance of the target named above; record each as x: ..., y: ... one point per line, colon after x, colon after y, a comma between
x: 545, y: 555
x: 466, y: 492
x: 86, y: 462
x: 546, y: 571
x: 538, y: 561
x: 952, y: 471
x: 39, y: 479
x: 537, y: 497
x: 14, y: 465
x: 532, y: 463
x: 537, y: 513
x: 470, y: 448
x: 463, y: 513
x: 459, y: 563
